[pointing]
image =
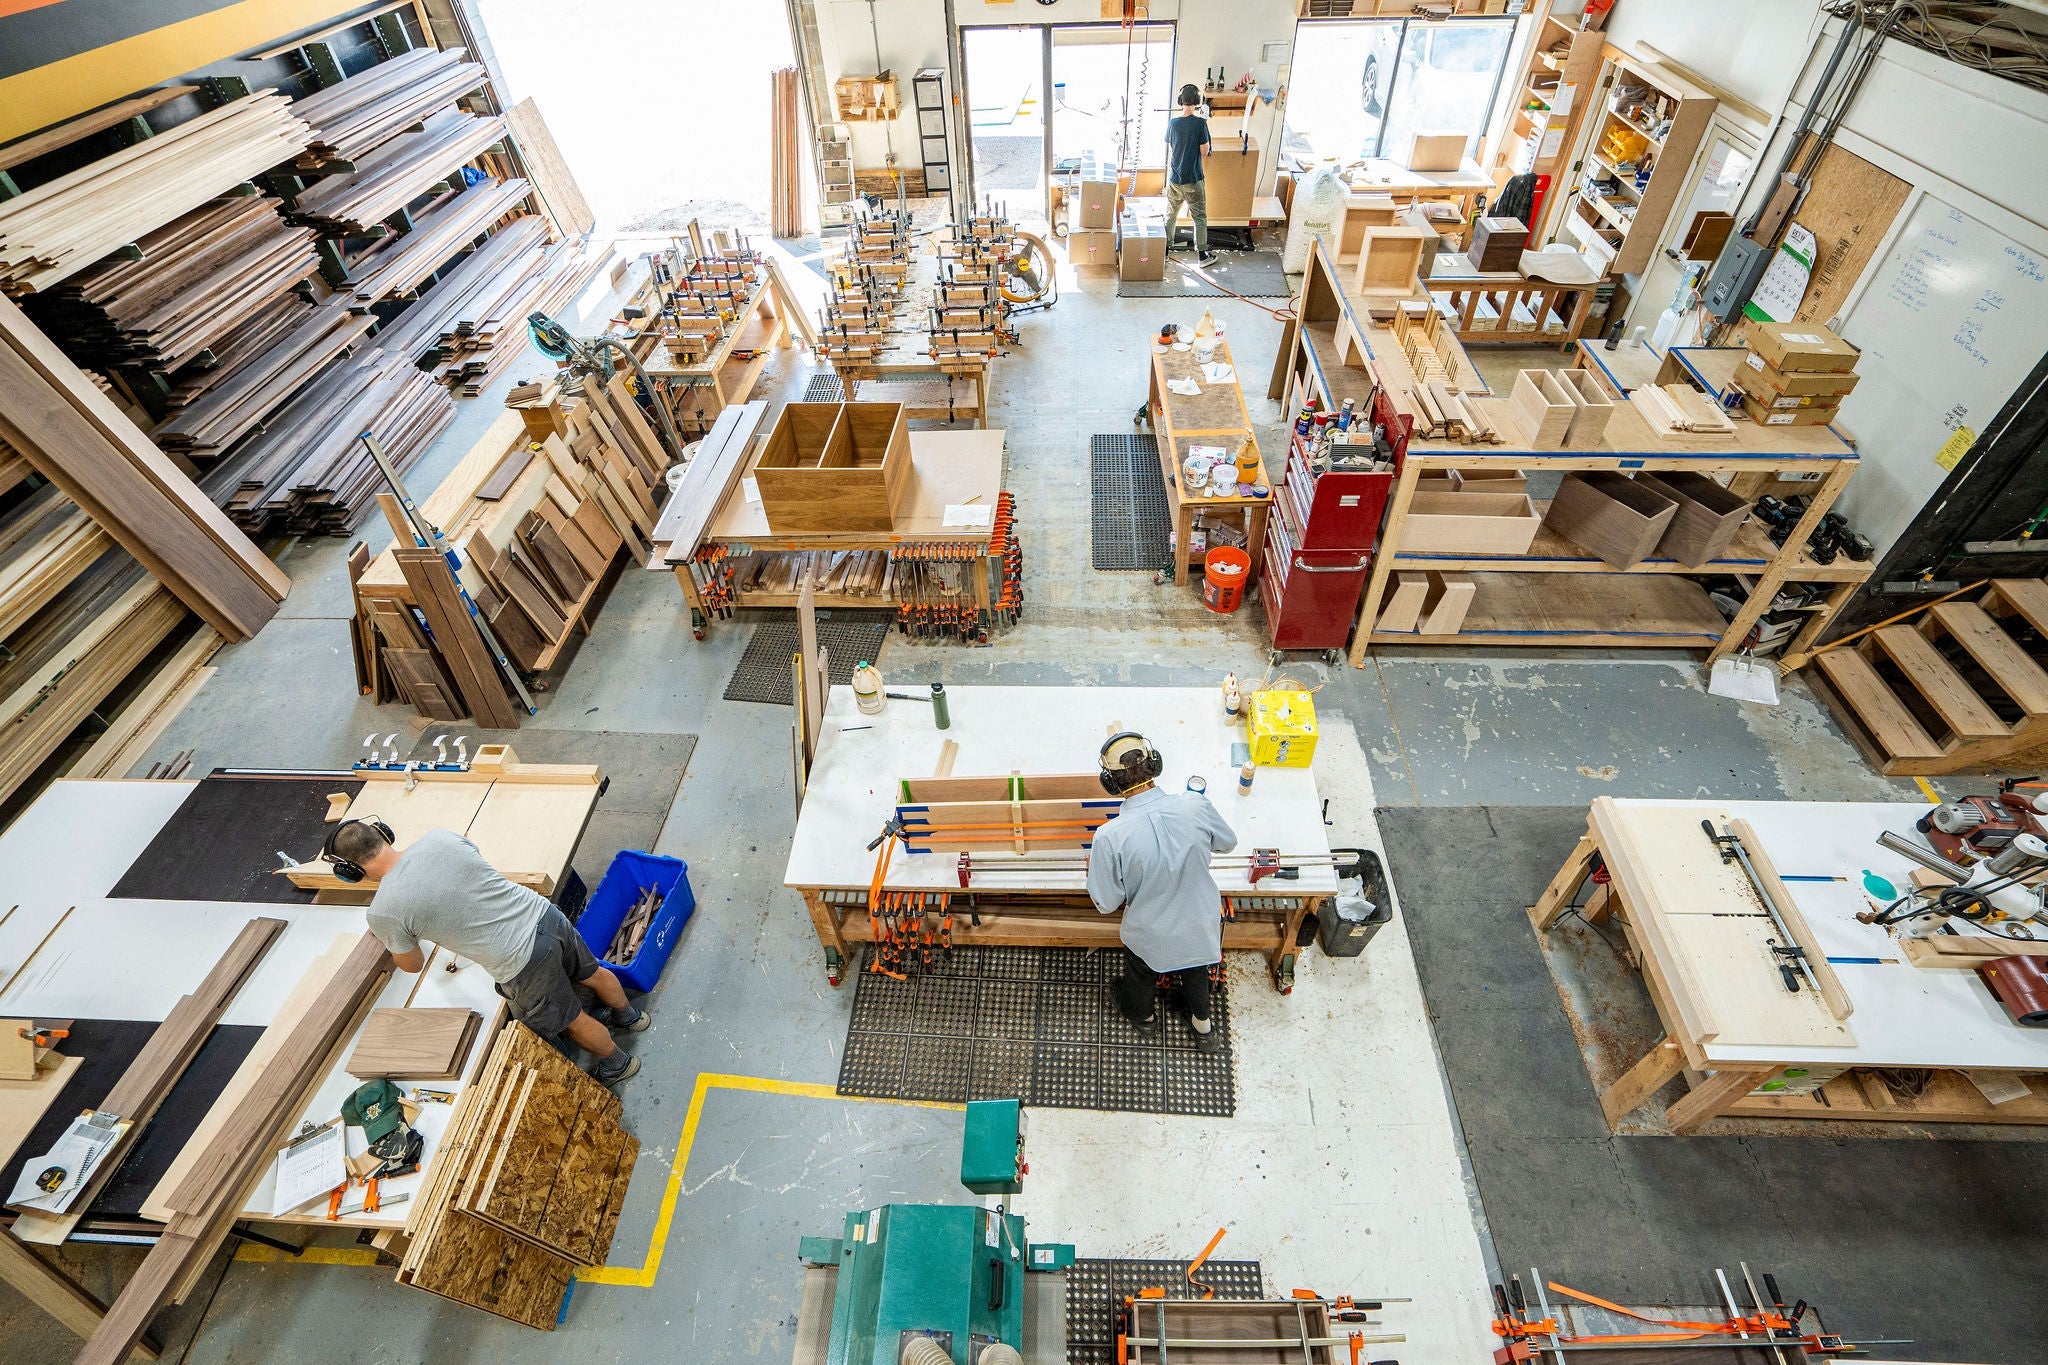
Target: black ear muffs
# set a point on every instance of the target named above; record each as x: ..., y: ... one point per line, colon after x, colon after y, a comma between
x: 1128, y: 760
x: 344, y: 870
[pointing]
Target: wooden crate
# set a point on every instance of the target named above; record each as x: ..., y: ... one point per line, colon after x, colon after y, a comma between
x: 834, y: 467
x: 1389, y: 259
x: 1707, y: 518
x: 1470, y: 523
x: 1498, y: 244
x: 1619, y: 520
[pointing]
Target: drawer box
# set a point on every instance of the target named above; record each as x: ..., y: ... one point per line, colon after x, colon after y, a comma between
x: 1492, y: 480
x: 1610, y: 515
x: 1469, y: 523
x: 1591, y: 407
x: 835, y: 467
x: 1542, y: 409
x: 1707, y: 518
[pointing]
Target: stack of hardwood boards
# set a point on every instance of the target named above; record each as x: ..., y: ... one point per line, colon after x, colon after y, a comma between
x: 200, y: 279
x: 55, y: 230
x: 526, y: 1185
x: 206, y: 1188
x: 414, y: 1044
x: 354, y: 117
x: 396, y: 173
x: 538, y: 511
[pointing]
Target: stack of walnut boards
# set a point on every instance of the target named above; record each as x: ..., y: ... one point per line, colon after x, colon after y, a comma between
x: 539, y: 510
x: 414, y: 1044
x: 525, y: 1186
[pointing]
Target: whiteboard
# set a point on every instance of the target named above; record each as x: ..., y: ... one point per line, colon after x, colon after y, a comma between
x: 1954, y: 318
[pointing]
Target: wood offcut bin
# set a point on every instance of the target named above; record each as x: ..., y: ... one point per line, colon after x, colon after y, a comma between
x: 835, y: 467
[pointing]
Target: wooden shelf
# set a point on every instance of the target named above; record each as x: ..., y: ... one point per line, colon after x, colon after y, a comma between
x: 1656, y: 143
x: 1551, y: 553
x: 1652, y: 612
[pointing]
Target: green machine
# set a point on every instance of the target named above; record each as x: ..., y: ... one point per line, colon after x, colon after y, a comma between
x: 940, y: 1284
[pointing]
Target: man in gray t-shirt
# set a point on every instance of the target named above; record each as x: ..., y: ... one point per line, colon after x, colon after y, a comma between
x: 439, y: 889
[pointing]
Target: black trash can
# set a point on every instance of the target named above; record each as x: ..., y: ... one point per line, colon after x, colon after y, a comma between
x: 1343, y: 932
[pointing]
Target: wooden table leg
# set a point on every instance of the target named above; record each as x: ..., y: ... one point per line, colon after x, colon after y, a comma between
x: 1599, y: 904
x: 50, y: 1289
x: 1712, y: 1096
x: 838, y: 959
x: 1655, y: 1070
x: 1284, y: 953
x: 1551, y: 904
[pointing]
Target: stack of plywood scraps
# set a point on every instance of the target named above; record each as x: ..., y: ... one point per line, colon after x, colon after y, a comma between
x: 1680, y: 410
x: 538, y: 510
x: 526, y: 1185
x: 414, y: 1044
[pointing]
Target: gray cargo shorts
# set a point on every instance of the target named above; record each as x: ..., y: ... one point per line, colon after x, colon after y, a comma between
x: 544, y: 996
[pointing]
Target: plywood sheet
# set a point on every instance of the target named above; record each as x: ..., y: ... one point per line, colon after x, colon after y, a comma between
x: 1849, y: 208
x: 430, y: 805
x: 560, y: 197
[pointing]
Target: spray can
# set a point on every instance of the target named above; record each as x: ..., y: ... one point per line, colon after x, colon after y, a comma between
x: 1244, y: 778
x: 867, y: 688
x: 942, y: 716
x: 1231, y: 698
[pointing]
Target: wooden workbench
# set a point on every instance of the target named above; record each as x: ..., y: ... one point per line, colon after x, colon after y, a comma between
x: 903, y: 369
x: 697, y: 393
x: 1508, y: 307
x: 71, y: 949
x: 1215, y: 417
x: 1462, y: 187
x: 948, y: 469
x: 1699, y: 933
x: 852, y: 792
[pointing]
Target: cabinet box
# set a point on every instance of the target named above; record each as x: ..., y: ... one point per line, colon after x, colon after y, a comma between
x: 1469, y: 523
x: 1094, y: 206
x: 835, y: 467
x: 1818, y: 415
x: 1092, y: 246
x: 1610, y: 515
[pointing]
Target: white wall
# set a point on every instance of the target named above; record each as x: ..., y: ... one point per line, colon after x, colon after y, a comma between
x: 1964, y: 137
x: 912, y: 33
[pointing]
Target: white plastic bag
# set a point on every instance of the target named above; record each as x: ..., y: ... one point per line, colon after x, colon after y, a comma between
x: 1316, y: 205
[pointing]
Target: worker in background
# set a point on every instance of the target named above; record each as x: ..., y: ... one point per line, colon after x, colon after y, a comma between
x: 1151, y: 860
x: 439, y: 889
x: 1187, y: 147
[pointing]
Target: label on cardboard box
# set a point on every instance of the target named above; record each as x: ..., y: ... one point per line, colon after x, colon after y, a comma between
x: 1759, y: 377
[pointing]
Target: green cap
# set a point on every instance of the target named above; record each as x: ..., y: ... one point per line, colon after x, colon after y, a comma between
x: 374, y: 1108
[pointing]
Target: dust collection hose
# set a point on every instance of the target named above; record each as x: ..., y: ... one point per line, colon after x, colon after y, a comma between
x: 999, y: 1354
x: 924, y: 1351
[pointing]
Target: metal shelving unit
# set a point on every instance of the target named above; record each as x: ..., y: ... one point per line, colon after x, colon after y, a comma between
x: 928, y: 99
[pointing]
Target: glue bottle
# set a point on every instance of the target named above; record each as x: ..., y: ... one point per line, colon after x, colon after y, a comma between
x: 867, y: 688
x: 1231, y: 698
x: 1244, y: 778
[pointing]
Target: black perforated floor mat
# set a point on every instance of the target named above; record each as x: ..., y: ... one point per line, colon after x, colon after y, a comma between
x: 825, y: 388
x: 1034, y: 1024
x: 847, y: 637
x: 1096, y: 1291
x: 1130, y: 524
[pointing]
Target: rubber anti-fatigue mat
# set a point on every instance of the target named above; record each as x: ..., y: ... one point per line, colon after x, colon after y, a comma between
x: 1034, y: 1024
x: 1130, y: 524
x: 1096, y: 1291
x: 847, y: 637
x: 825, y: 388
x: 1253, y: 274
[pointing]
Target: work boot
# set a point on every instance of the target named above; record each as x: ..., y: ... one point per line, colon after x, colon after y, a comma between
x: 1207, y: 1039
x: 629, y: 1020
x: 620, y: 1066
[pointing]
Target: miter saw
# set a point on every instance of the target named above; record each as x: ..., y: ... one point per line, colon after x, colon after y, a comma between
x: 590, y: 358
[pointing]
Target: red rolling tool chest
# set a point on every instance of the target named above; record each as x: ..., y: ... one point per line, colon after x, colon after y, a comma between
x: 1319, y: 542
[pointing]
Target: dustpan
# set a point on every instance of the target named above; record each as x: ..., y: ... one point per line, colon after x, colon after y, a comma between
x: 1744, y: 677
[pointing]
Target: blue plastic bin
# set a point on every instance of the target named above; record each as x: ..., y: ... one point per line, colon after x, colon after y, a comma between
x: 614, y: 897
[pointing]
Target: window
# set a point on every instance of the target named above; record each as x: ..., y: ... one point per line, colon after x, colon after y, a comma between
x: 1367, y: 89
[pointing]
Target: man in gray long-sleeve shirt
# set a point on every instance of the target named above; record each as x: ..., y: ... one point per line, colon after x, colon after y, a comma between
x: 1152, y: 862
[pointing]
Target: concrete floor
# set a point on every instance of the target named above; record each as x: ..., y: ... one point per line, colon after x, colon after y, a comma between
x: 1317, y: 1176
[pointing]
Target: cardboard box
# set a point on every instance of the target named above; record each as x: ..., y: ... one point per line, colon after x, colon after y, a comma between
x: 1437, y: 152
x: 1091, y: 247
x: 1801, y: 346
x: 1141, y: 255
x: 1093, y: 207
x: 1792, y: 417
x: 1764, y: 380
x: 1282, y: 728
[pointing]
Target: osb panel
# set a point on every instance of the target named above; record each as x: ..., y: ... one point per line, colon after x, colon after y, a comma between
x: 474, y: 1263
x: 1849, y: 208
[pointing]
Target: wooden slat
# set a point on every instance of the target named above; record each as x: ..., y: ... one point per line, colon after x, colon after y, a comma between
x: 462, y: 648
x: 1881, y: 713
x: 2028, y: 597
x: 1996, y: 653
x: 1936, y: 679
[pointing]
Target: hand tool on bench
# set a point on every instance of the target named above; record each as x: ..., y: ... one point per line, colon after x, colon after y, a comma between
x: 1789, y: 951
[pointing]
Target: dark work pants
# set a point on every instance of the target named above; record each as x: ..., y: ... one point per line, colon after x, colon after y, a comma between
x: 1135, y: 989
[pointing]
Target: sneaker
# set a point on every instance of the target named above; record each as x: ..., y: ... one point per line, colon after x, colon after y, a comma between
x: 1207, y: 258
x: 620, y: 1066
x: 1208, y: 1039
x: 630, y: 1021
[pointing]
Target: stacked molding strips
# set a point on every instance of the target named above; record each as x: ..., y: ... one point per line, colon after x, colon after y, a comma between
x: 52, y: 231
x: 353, y: 118
x: 526, y: 1185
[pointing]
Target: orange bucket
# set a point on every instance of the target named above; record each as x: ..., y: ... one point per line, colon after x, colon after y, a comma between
x: 1224, y: 570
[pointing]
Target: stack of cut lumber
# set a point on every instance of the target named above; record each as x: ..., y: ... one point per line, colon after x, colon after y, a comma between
x: 786, y: 170
x: 202, y: 280
x: 65, y: 659
x: 57, y: 229
x: 148, y: 710
x: 526, y: 1185
x: 350, y: 119
x: 258, y: 373
x: 46, y: 540
x: 1680, y: 410
x: 208, y: 1186
x: 414, y: 1044
x: 397, y: 173
x: 76, y: 438
x: 307, y: 473
x: 435, y: 237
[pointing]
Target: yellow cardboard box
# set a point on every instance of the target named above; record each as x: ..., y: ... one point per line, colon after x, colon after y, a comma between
x: 1282, y: 726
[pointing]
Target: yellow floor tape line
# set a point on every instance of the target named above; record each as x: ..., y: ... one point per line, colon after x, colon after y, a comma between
x: 643, y: 1274
x: 1927, y: 790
